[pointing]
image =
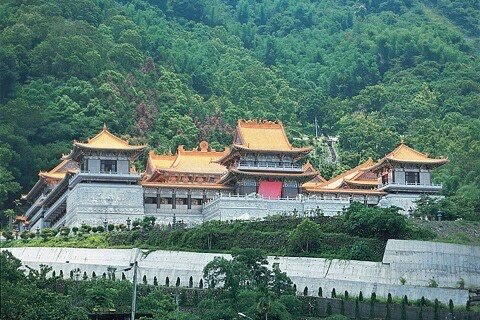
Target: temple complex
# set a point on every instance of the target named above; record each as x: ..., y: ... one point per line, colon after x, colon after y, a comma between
x: 259, y: 175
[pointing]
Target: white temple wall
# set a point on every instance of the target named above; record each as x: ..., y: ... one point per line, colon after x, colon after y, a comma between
x: 425, y: 177
x: 93, y: 165
x: 123, y: 166
x: 92, y: 203
x: 245, y: 208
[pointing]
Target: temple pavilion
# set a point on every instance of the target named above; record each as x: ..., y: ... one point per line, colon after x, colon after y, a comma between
x: 262, y: 161
x: 94, y: 181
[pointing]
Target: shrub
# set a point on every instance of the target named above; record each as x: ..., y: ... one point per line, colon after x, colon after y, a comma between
x: 403, y: 311
x: 25, y: 235
x: 111, y: 227
x: 329, y: 309
x: 403, y: 280
x: 334, y: 293
x: 461, y: 283
x: 420, y: 313
x: 435, y: 310
x: 432, y: 283
x: 75, y: 230
x: 320, y: 291
x: 48, y: 233
x: 64, y: 231
x: 383, y: 223
x: 8, y: 235
x: 360, y: 296
x: 357, y: 311
x: 388, y: 316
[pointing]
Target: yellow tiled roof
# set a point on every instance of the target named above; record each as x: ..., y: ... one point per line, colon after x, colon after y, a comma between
x: 160, y: 161
x: 264, y: 135
x: 308, y: 167
x: 405, y: 154
x: 59, y: 172
x: 336, y: 182
x: 106, y: 140
x: 190, y: 161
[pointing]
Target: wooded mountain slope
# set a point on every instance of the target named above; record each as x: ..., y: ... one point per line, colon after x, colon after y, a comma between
x: 171, y: 72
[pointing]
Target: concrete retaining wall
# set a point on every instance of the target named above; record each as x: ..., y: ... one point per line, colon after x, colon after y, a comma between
x: 412, y: 260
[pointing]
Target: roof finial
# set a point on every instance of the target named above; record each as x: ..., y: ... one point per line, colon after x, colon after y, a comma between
x: 105, y: 126
x: 402, y: 140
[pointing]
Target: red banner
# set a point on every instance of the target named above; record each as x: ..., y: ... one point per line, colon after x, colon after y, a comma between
x: 270, y: 189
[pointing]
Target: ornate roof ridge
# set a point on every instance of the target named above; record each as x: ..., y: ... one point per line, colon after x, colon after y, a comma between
x: 155, y: 155
x: 255, y: 123
x: 106, y: 133
x: 204, y: 150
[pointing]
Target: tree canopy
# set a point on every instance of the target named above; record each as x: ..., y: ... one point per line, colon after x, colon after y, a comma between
x: 177, y: 71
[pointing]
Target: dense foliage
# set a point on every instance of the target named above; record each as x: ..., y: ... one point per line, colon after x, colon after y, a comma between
x: 382, y: 223
x: 41, y: 295
x: 360, y: 234
x: 247, y: 285
x: 172, y: 72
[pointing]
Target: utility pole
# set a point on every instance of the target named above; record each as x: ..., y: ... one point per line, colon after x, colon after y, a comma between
x: 316, y: 128
x: 134, y: 293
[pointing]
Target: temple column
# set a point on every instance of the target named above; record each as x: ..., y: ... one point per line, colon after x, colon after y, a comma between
x: 174, y: 200
x: 189, y: 200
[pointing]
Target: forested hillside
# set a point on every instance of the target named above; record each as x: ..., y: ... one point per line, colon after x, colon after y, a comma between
x: 171, y: 72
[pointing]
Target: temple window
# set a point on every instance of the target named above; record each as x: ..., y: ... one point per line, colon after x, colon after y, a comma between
x: 181, y: 201
x: 84, y: 165
x: 108, y: 165
x: 385, y: 179
x: 412, y: 177
x: 150, y: 200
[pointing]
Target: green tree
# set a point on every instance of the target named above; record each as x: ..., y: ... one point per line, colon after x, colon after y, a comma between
x: 305, y: 236
x: 365, y: 221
